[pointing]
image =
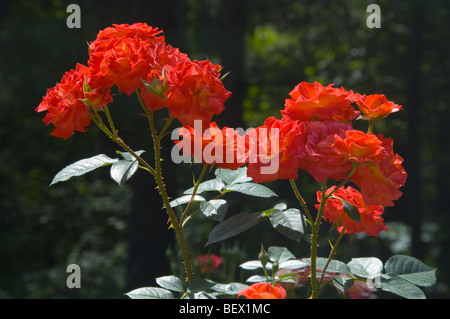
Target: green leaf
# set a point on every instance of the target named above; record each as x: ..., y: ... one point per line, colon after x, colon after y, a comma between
x: 200, y: 284
x: 122, y: 170
x: 412, y: 270
x: 255, y: 264
x: 335, y: 266
x: 185, y: 199
x: 342, y: 282
x: 293, y: 264
x: 277, y: 207
x: 401, y: 287
x: 252, y: 189
x: 214, y: 209
x: 200, y: 295
x: 258, y: 278
x: 82, y: 167
x: 279, y: 254
x: 350, y: 210
x: 233, y: 176
x: 150, y: 293
x: 130, y: 157
x: 211, y: 185
x: 229, y: 289
x: 170, y: 282
x: 233, y: 226
x: 288, y: 222
x: 366, y: 267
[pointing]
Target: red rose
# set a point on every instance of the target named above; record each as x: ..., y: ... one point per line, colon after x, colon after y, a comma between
x: 275, y: 150
x: 313, y: 101
x: 121, y: 55
x: 263, y: 291
x: 381, y: 173
x: 64, y: 102
x: 371, y: 221
x: 319, y: 157
x: 195, y: 92
x: 209, y: 263
x: 224, y: 147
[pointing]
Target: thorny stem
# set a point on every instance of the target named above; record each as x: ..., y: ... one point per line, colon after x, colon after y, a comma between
x: 330, y: 256
x: 315, y: 289
x: 300, y: 199
x: 163, y: 192
x: 194, y: 192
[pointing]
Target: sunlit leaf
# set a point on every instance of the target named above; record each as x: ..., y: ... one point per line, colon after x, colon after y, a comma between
x: 150, y: 293
x: 82, y: 167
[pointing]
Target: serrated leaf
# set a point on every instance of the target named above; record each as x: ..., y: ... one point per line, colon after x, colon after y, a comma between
x: 252, y: 189
x: 280, y: 254
x: 82, y: 167
x: 258, y: 278
x: 335, y: 266
x: 122, y: 171
x: 170, y: 282
x: 366, y: 267
x: 288, y: 222
x: 185, y: 199
x: 233, y: 226
x: 229, y: 289
x: 214, y: 209
x: 350, y: 210
x: 150, y: 293
x: 200, y: 295
x: 293, y: 264
x: 255, y: 264
x: 200, y: 284
x: 211, y: 185
x: 412, y: 270
x: 130, y: 157
x: 402, y: 288
x: 342, y: 282
x: 233, y: 176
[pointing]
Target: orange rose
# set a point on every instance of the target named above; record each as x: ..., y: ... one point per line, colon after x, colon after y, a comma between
x: 275, y: 150
x: 319, y: 157
x: 376, y: 106
x: 263, y: 291
x: 224, y: 147
x: 381, y: 173
x: 358, y: 146
x: 313, y: 101
x: 121, y: 55
x: 371, y: 221
x: 195, y: 92
x: 64, y: 102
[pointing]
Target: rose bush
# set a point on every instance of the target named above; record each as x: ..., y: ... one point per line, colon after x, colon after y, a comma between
x: 358, y: 172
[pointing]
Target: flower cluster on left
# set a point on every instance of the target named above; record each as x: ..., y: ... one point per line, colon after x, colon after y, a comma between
x: 135, y: 58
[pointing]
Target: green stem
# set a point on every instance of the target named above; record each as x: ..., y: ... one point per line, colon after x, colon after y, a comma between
x: 330, y: 256
x: 163, y: 193
x: 95, y: 117
x: 194, y: 192
x: 314, y: 244
x: 300, y: 199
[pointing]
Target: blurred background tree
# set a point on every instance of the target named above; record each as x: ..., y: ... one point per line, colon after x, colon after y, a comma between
x: 117, y: 235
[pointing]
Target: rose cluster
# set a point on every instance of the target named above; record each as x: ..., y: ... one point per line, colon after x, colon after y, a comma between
x: 315, y: 134
x: 135, y: 58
